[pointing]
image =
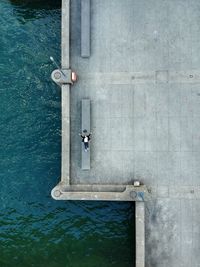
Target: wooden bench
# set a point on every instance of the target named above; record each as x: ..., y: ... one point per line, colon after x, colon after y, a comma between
x: 85, y: 120
x: 85, y: 28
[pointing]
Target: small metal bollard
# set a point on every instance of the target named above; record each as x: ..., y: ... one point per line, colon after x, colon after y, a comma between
x: 136, y: 183
x: 64, y: 76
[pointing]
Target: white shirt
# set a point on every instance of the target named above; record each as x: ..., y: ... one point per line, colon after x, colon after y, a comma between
x: 85, y: 139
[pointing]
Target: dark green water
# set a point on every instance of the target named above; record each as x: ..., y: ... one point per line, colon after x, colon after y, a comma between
x: 34, y: 229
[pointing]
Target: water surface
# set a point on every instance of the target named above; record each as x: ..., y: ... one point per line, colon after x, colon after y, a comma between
x: 35, y: 230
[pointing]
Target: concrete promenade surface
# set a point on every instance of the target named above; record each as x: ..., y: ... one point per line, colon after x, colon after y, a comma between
x: 143, y: 80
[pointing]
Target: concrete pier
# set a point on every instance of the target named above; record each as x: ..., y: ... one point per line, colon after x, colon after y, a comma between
x: 143, y: 80
x: 96, y: 188
x: 65, y: 94
x: 67, y: 189
x: 140, y: 234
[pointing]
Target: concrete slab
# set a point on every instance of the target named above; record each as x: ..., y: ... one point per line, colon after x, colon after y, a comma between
x: 65, y: 164
x: 140, y: 233
x: 143, y: 80
x: 65, y: 34
x: 85, y: 121
x: 144, y: 87
x: 99, y: 192
x: 85, y: 28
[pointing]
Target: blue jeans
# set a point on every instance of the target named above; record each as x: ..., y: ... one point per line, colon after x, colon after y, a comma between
x: 86, y: 145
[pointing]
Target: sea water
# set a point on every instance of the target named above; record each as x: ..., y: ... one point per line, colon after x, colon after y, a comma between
x: 36, y: 230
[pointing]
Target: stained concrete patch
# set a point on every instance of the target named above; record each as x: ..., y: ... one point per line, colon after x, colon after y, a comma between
x: 162, y: 76
x: 163, y: 233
